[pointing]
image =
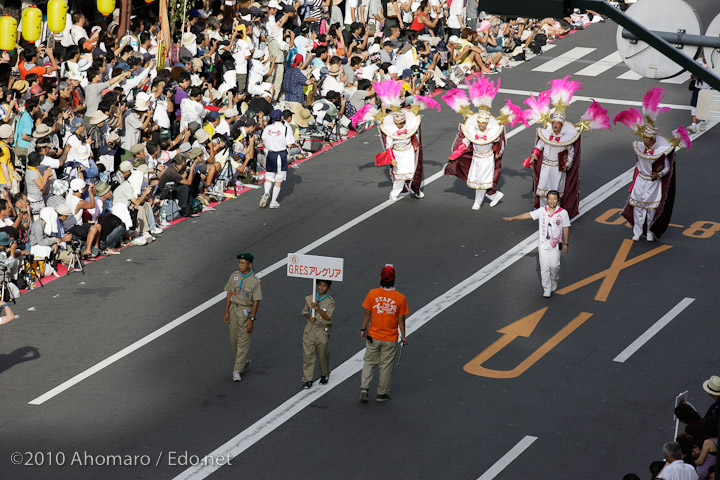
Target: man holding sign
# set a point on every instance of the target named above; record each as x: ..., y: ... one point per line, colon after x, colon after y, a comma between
x: 385, y: 311
x: 319, y: 312
x: 241, y: 305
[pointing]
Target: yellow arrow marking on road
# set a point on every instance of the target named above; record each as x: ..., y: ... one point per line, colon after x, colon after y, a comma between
x: 521, y: 328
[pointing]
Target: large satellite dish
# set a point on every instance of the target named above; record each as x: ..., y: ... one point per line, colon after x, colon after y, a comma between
x: 712, y: 55
x: 663, y: 16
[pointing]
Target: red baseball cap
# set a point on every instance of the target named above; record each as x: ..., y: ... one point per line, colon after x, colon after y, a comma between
x: 387, y: 274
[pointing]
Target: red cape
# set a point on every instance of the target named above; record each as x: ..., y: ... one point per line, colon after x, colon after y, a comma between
x: 460, y: 167
x: 570, y: 200
x: 416, y: 182
x: 661, y: 221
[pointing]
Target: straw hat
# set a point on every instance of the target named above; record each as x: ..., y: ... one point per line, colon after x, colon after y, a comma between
x: 188, y: 38
x: 98, y: 117
x: 334, y: 70
x: 41, y: 131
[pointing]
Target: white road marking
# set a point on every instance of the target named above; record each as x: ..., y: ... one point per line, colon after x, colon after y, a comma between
x: 650, y: 332
x: 601, y: 66
x: 630, y: 75
x: 507, y: 459
x: 564, y: 60
x: 678, y: 79
x: 350, y: 367
x: 548, y: 46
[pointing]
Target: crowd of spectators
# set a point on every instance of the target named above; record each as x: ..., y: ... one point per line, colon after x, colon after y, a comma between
x: 693, y: 454
x: 103, y: 143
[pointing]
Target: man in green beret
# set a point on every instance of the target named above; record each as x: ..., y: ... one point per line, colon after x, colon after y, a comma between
x: 243, y: 298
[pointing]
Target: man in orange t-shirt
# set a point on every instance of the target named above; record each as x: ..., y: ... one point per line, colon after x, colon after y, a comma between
x: 385, y: 311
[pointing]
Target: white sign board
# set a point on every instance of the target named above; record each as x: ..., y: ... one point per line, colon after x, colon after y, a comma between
x: 314, y: 266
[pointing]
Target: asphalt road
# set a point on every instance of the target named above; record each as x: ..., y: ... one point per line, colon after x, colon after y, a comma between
x: 174, y: 395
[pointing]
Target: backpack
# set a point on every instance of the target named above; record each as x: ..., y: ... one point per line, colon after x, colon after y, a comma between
x: 290, y: 57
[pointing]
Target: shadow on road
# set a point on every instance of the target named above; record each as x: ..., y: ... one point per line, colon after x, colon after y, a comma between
x: 20, y: 355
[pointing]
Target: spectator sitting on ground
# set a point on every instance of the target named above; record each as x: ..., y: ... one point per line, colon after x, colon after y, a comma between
x: 90, y: 233
x: 185, y: 188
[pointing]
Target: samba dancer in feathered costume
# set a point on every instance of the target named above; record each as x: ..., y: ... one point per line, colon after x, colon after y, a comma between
x: 401, y: 136
x: 479, y: 145
x: 555, y: 160
x: 652, y: 193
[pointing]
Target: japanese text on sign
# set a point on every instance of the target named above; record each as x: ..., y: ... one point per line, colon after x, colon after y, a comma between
x: 314, y: 266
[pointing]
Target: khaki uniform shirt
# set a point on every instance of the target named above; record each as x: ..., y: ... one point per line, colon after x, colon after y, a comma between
x: 243, y: 291
x: 327, y: 303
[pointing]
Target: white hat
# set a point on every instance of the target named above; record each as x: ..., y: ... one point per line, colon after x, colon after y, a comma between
x: 558, y: 116
x: 141, y: 102
x: 259, y: 53
x: 399, y: 115
x: 274, y: 4
x: 394, y: 70
x: 77, y: 185
x: 712, y: 385
x: 73, y: 75
x: 81, y: 152
x: 125, y: 166
x: 230, y: 112
x: 188, y: 38
x: 202, y: 135
x: 374, y: 48
x: 84, y: 64
x: 116, y: 12
x: 184, y: 147
x: 453, y: 39
x: 63, y: 209
x: 6, y: 131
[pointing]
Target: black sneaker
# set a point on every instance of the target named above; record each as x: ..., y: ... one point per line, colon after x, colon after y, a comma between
x: 383, y: 397
x: 324, y: 379
x: 363, y: 396
x: 307, y: 385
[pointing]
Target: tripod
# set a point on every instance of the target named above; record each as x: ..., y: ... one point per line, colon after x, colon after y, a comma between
x: 32, y: 274
x: 228, y: 172
x: 76, y: 262
x: 333, y: 134
x: 4, y: 287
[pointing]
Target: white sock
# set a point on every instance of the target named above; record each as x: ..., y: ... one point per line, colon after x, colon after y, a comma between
x: 276, y: 192
x: 268, y: 186
x: 479, y: 196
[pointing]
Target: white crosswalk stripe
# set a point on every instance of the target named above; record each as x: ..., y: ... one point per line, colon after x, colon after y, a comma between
x: 630, y: 75
x: 564, y: 60
x: 601, y: 66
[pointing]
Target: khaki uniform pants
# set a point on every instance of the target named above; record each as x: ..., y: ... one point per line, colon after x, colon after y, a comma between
x: 239, y: 336
x: 381, y: 354
x: 277, y: 79
x: 315, y: 342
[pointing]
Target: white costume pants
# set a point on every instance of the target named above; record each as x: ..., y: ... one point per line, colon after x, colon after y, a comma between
x: 549, y: 267
x: 397, y: 188
x: 640, y: 216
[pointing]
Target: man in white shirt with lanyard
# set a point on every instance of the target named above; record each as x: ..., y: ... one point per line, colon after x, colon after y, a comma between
x: 553, y: 237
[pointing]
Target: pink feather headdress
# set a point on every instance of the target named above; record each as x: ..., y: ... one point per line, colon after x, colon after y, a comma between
x: 367, y: 112
x: 427, y: 102
x: 682, y: 137
x: 482, y: 91
x: 651, y: 104
x: 456, y: 99
x: 513, y: 113
x: 539, y: 107
x: 632, y: 118
x: 562, y: 90
x: 597, y: 117
x: 389, y: 92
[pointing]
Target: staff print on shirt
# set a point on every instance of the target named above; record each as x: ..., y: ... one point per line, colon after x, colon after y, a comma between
x: 385, y: 305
